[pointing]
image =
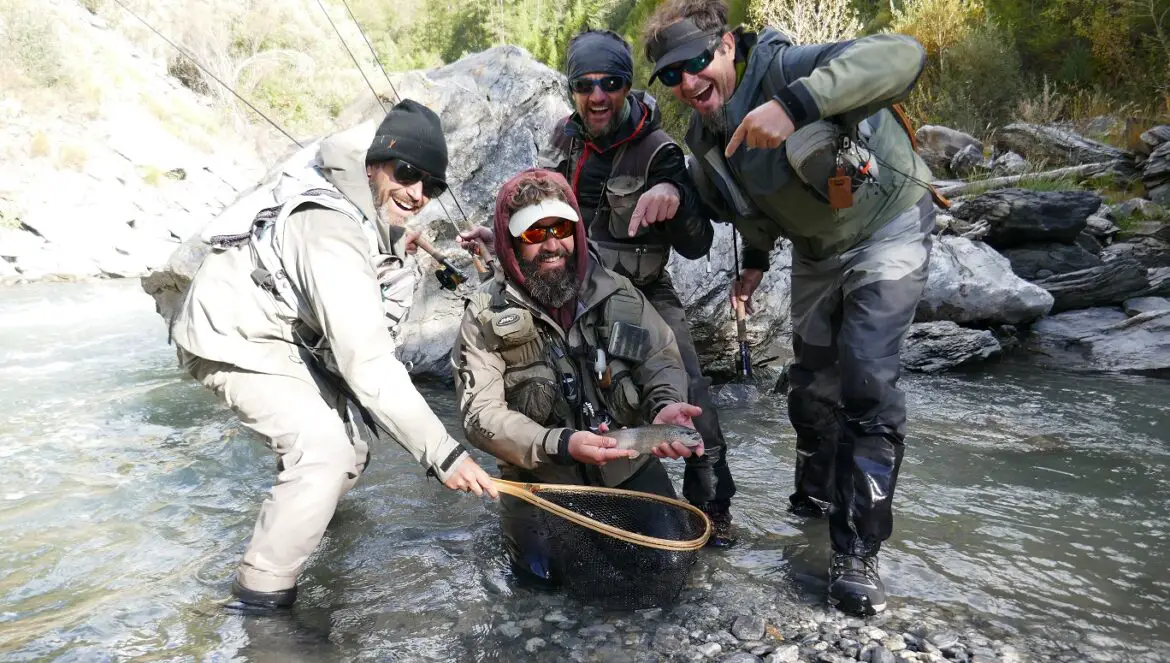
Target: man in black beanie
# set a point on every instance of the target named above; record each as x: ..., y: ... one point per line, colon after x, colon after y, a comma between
x: 638, y: 203
x: 292, y: 320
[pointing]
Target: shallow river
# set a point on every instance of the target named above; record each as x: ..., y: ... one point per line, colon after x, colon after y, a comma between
x: 1032, y: 503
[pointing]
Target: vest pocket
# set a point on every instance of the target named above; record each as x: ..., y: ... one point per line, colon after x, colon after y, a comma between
x: 533, y: 391
x: 622, y: 395
x: 640, y: 263
x: 622, y: 193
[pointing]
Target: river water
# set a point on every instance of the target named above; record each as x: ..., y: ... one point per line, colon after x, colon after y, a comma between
x: 1033, y: 503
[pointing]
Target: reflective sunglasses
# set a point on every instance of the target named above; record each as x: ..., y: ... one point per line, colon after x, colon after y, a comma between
x: 407, y: 174
x: 673, y: 75
x: 538, y: 234
x: 586, y: 85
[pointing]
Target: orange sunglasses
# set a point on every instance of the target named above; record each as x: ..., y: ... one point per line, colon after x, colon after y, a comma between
x: 538, y: 234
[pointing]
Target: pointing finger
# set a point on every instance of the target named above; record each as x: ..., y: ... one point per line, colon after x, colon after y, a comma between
x: 736, y: 139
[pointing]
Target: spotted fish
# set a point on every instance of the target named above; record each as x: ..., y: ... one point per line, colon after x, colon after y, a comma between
x: 644, y: 438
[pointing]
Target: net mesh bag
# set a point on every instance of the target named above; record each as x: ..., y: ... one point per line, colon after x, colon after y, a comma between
x: 616, y: 548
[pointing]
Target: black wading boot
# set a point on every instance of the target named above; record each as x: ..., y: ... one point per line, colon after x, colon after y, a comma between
x: 855, y: 586
x: 722, y: 533
x: 249, y: 602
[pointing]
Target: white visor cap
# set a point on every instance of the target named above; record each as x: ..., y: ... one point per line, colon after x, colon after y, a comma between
x: 525, y: 217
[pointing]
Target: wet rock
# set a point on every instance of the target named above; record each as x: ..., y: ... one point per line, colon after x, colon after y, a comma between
x: 1017, y: 216
x: 748, y: 627
x: 831, y: 657
x: 740, y: 657
x: 931, y: 347
x: 1139, y: 305
x: 597, y: 631
x: 894, y: 643
x: 670, y: 639
x: 881, y: 655
x: 509, y: 630
x: 1041, y: 260
x: 555, y: 617
x: 710, y: 649
x: 943, y: 639
x: 1110, y: 283
x: 971, y: 282
x: 534, y: 645
x: 784, y: 654
x: 761, y: 650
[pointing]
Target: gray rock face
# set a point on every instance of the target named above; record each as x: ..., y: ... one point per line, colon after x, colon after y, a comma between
x: 1056, y: 145
x: 1016, y: 216
x: 1100, y: 227
x: 1033, y: 261
x: 1140, y: 208
x: 1110, y: 283
x: 968, y: 161
x: 1140, y: 305
x: 971, y: 282
x: 931, y: 347
x: 1104, y: 339
x: 1148, y: 251
x: 938, y: 145
x: 705, y: 295
x: 1156, y: 175
x: 748, y: 627
x: 1009, y: 163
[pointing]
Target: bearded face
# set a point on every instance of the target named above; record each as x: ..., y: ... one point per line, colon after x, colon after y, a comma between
x: 549, y: 276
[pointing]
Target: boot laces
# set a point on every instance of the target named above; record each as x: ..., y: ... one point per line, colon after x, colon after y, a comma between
x: 855, y: 567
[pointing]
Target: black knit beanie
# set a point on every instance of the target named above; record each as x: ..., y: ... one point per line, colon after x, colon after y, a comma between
x: 411, y: 132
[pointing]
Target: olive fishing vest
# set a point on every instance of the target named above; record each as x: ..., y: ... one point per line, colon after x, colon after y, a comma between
x: 573, y: 380
x: 640, y: 261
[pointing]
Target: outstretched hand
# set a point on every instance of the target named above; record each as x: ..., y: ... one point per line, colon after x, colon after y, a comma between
x: 593, y: 449
x: 679, y: 414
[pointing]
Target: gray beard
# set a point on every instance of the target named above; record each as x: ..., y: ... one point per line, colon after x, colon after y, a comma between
x: 716, y: 122
x: 388, y: 213
x: 551, y: 289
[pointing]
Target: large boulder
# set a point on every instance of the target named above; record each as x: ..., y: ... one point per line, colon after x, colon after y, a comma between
x: 1104, y: 339
x: 1110, y: 283
x: 931, y: 347
x: 1041, y: 260
x: 939, y: 145
x: 1016, y: 216
x: 969, y: 282
x: 1056, y: 145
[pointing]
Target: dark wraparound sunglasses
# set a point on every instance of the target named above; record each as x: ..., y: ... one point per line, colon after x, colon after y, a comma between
x: 608, y: 84
x: 407, y: 174
x: 673, y: 75
x: 537, y: 234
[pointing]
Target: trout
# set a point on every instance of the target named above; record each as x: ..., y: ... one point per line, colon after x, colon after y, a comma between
x: 644, y: 438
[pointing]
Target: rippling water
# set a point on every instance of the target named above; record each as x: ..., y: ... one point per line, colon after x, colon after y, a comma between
x: 1033, y: 501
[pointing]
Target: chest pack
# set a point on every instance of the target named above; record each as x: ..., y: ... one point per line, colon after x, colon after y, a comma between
x: 640, y: 258
x: 256, y: 223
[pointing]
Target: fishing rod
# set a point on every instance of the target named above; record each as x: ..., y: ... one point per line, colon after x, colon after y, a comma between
x: 449, y: 276
x: 743, y: 360
x: 486, y: 255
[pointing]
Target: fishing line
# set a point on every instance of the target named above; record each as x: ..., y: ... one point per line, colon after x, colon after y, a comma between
x: 351, y: 55
x: 190, y: 57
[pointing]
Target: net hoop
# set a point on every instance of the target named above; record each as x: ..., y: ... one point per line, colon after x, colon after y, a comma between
x: 529, y: 492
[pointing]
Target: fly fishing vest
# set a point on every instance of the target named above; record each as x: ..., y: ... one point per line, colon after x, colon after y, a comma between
x: 554, y: 379
x: 640, y: 261
x: 275, y: 201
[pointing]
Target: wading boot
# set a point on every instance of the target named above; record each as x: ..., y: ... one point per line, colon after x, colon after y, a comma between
x: 722, y: 533
x: 855, y: 586
x: 250, y: 602
x: 808, y: 507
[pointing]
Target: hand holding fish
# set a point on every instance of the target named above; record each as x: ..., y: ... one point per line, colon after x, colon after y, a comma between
x: 593, y: 449
x: 679, y: 415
